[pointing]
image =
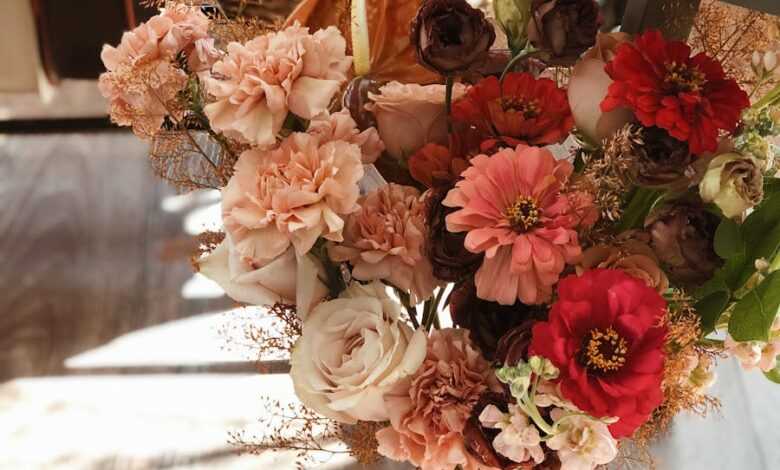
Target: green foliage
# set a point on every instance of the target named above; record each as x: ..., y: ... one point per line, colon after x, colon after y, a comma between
x: 710, y: 309
x: 754, y: 313
x: 641, y: 202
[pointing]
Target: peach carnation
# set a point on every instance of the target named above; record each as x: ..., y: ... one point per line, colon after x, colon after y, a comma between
x: 385, y: 240
x: 513, y: 209
x: 426, y: 425
x: 259, y: 82
x: 291, y: 195
x: 141, y: 81
x: 341, y: 126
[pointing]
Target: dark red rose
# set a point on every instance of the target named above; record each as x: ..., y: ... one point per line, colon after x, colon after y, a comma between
x: 450, y: 36
x: 566, y: 28
x: 490, y: 321
x: 662, y: 160
x: 682, y: 237
x: 530, y: 110
x: 664, y: 86
x: 355, y: 99
x: 513, y: 346
x: 450, y: 259
x: 606, y: 336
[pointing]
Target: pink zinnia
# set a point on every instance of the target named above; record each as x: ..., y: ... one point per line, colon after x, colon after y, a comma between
x: 514, y: 212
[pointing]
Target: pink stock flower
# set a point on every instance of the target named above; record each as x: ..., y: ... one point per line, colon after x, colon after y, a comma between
x: 427, y: 423
x: 256, y: 84
x: 385, y: 240
x: 512, y: 207
x: 291, y: 195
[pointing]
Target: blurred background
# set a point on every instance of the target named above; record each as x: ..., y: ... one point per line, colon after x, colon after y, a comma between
x: 113, y: 353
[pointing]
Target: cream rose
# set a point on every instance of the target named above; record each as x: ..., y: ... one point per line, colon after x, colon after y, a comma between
x: 733, y: 182
x: 287, y: 279
x: 410, y: 115
x: 353, y: 351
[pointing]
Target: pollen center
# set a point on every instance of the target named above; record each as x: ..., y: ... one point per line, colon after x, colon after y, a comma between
x: 604, y: 350
x: 528, y: 108
x: 523, y: 214
x: 684, y: 78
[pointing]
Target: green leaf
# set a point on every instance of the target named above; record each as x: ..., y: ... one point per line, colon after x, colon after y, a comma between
x: 639, y: 205
x: 728, y: 239
x: 771, y: 186
x: 774, y: 374
x: 710, y: 308
x: 754, y: 313
x: 761, y: 233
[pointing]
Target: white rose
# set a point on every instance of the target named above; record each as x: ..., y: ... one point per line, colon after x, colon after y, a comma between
x: 353, y: 351
x: 287, y: 279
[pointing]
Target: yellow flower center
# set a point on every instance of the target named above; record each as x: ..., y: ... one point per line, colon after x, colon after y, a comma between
x: 604, y: 350
x: 528, y: 108
x: 682, y: 78
x: 523, y: 214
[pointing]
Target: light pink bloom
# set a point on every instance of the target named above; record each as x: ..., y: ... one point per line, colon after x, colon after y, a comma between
x: 259, y: 82
x: 141, y: 80
x: 341, y: 126
x: 385, y: 240
x: 291, y: 195
x: 426, y: 424
x: 582, y: 442
x: 513, y: 210
x: 410, y: 115
x: 519, y: 439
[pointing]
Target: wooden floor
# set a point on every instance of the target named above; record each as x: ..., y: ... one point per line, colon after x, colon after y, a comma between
x: 86, y: 251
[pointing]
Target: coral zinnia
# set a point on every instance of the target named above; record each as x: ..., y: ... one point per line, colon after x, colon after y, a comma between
x: 514, y: 212
x: 606, y: 337
x: 532, y: 110
x: 690, y: 97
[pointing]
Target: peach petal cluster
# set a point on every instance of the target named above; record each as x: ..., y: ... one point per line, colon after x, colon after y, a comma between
x: 256, y: 84
x: 426, y: 424
x: 385, y: 240
x: 341, y: 126
x: 410, y: 115
x: 513, y: 209
x: 141, y: 80
x: 291, y: 195
x: 633, y: 256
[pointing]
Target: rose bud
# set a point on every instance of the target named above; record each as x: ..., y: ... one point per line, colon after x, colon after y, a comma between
x: 588, y: 86
x: 490, y: 321
x: 449, y: 257
x: 662, y: 160
x: 449, y: 36
x: 513, y: 346
x: 682, y: 238
x: 356, y: 98
x: 565, y: 28
x: 513, y: 17
x: 734, y: 183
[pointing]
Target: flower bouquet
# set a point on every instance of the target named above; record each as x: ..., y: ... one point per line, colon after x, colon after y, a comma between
x: 596, y: 213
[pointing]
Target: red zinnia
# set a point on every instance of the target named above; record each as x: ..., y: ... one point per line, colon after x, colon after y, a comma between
x: 688, y: 96
x: 606, y: 337
x: 534, y: 111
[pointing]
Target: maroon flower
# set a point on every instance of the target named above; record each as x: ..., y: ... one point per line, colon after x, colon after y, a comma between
x: 606, y: 336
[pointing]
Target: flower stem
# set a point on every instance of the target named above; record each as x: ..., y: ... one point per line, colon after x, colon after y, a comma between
x: 527, y: 52
x: 448, y: 86
x: 769, y: 99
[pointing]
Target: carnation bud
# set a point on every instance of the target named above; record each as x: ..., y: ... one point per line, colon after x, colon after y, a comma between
x: 734, y: 183
x: 513, y: 17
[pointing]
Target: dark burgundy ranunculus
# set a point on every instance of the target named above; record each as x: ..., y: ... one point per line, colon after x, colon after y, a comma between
x: 450, y: 259
x: 449, y: 36
x: 566, y: 28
